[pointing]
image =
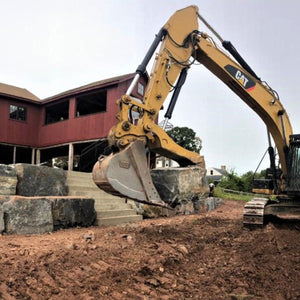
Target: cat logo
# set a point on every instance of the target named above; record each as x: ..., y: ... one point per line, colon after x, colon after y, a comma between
x: 247, y: 82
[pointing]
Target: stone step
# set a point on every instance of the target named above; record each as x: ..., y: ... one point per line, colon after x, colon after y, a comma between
x: 111, y: 210
x: 111, y: 206
x: 80, y: 178
x: 109, y: 201
x: 96, y: 195
x: 111, y: 221
x: 86, y: 188
x: 83, y: 187
x: 79, y: 181
x: 78, y: 174
x: 115, y: 213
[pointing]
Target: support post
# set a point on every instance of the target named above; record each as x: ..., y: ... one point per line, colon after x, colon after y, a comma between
x: 38, y: 156
x: 32, y: 156
x: 71, y: 157
x: 14, y: 155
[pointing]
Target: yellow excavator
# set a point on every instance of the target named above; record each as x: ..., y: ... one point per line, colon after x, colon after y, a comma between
x: 126, y: 173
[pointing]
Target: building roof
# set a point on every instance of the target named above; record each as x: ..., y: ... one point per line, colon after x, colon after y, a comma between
x: 221, y: 171
x: 23, y: 94
x: 16, y: 92
x: 90, y: 87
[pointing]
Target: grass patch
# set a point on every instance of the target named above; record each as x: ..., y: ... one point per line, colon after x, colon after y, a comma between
x: 220, y: 193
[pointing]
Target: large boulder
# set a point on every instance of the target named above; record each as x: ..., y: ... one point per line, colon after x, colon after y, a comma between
x: 181, y: 188
x: 23, y: 215
x: 3, y: 199
x: 208, y: 204
x: 73, y: 211
x: 40, y: 181
x: 178, y: 186
x: 8, y: 180
x: 35, y: 215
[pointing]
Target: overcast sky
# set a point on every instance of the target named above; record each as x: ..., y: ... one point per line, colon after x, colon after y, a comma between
x: 51, y: 46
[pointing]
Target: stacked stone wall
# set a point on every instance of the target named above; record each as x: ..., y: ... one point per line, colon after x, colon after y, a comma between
x: 33, y: 200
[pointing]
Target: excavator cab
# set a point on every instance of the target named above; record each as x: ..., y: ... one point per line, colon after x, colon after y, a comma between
x: 287, y: 203
x: 293, y: 166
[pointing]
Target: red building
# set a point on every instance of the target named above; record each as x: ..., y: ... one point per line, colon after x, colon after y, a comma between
x: 72, y: 124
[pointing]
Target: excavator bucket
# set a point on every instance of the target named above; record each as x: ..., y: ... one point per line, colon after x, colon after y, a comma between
x: 126, y: 174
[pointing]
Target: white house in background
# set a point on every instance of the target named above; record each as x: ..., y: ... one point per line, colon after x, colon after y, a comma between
x: 165, y: 162
x: 216, y: 174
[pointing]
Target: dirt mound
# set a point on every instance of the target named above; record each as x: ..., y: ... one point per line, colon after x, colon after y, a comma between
x: 204, y: 256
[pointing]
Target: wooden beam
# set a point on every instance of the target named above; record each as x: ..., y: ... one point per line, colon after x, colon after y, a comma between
x: 71, y: 157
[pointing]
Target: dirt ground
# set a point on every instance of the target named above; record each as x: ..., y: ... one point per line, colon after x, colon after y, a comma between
x: 203, y: 256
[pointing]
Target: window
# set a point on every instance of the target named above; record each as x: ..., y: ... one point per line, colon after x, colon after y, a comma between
x: 58, y: 112
x: 140, y: 89
x: 211, y: 172
x: 91, y: 103
x: 17, y: 112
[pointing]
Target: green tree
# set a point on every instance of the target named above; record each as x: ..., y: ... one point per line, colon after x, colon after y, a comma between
x: 247, y: 180
x: 232, y: 181
x: 242, y: 183
x: 186, y: 138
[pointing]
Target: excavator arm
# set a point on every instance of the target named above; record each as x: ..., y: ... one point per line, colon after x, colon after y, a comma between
x: 171, y: 62
x: 255, y: 93
x: 125, y: 172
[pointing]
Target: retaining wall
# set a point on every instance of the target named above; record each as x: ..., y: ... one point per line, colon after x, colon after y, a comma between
x: 33, y: 200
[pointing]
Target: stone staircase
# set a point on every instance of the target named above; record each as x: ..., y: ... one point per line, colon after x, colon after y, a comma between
x: 110, y: 210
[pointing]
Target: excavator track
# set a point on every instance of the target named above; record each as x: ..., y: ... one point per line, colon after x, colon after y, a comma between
x: 285, y: 207
x: 254, y: 212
